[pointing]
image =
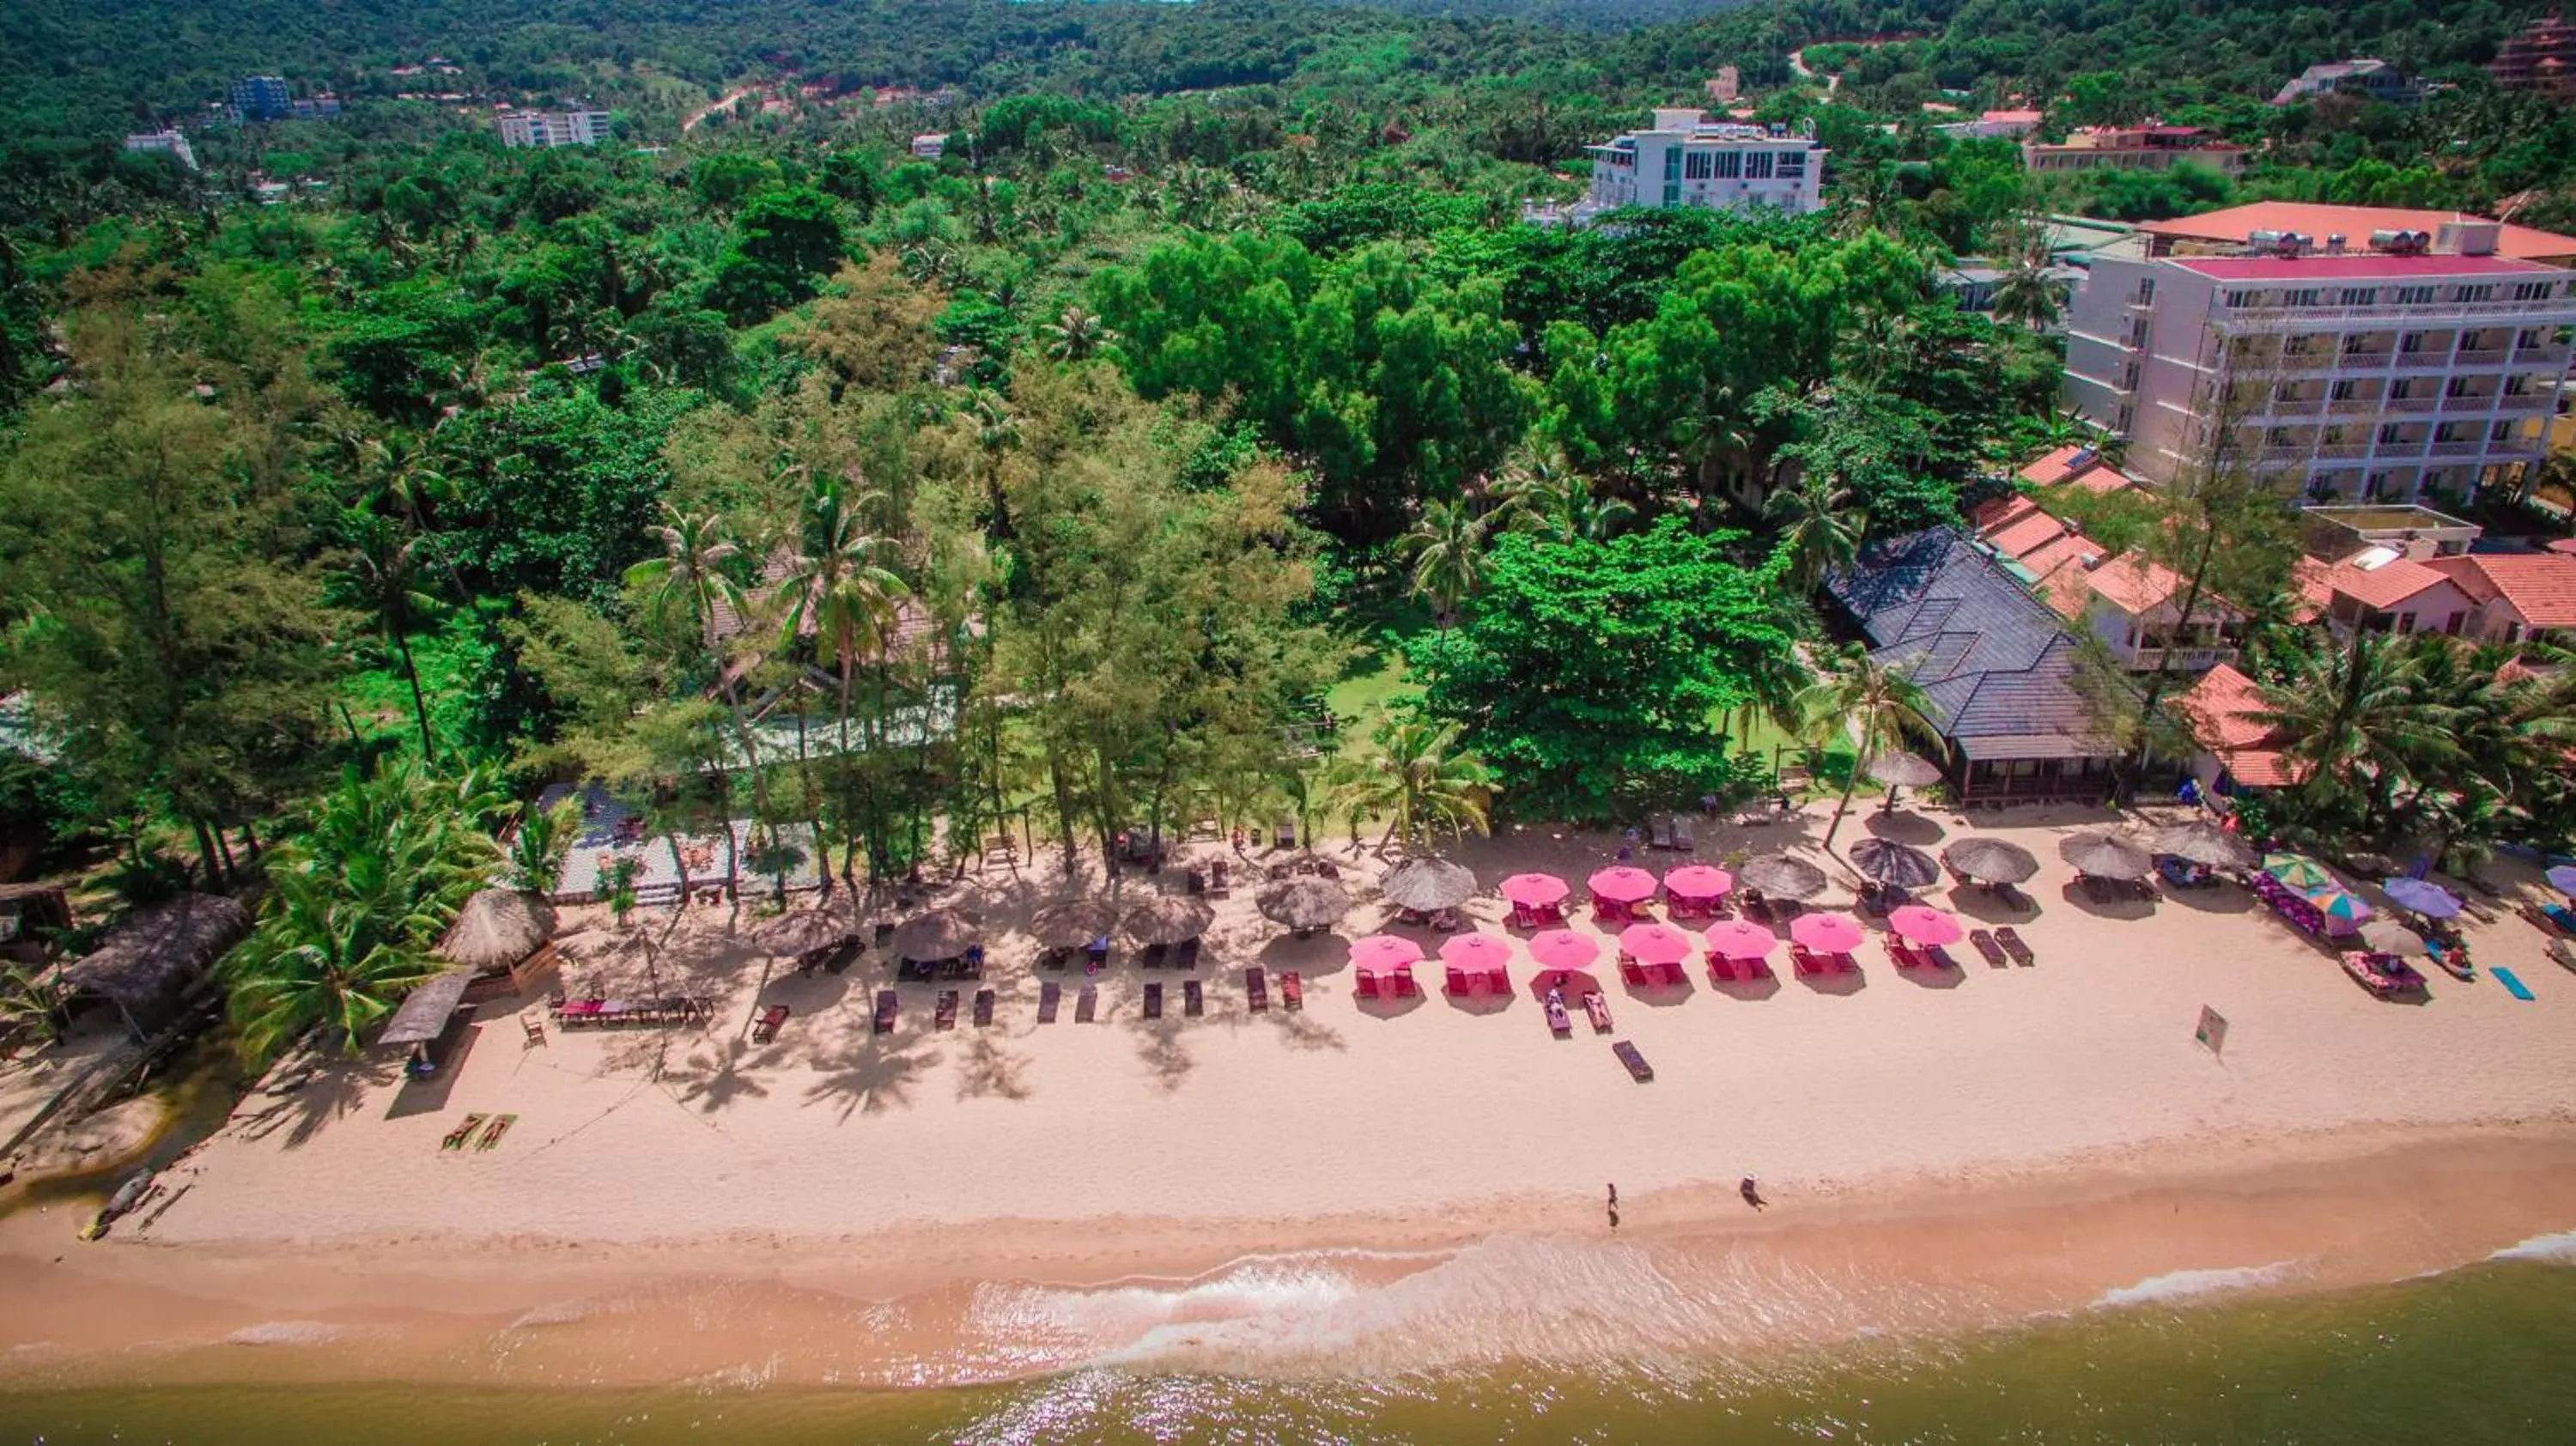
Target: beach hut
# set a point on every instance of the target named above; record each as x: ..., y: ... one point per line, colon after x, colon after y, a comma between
x: 30, y: 915
x: 149, y: 965
x: 423, y: 1019
x: 1303, y: 904
x: 1420, y: 888
x: 502, y: 933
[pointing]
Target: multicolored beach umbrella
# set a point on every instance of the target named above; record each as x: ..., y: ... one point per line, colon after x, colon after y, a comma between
x: 2304, y: 874
x: 2336, y: 904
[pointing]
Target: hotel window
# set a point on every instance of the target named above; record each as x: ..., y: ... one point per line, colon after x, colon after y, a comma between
x: 2344, y: 391
x: 2127, y: 416
x: 2411, y: 343
x: 2242, y: 298
x: 1697, y: 166
x: 2388, y: 435
x: 1792, y: 165
x: 1672, y: 176
x: 2501, y: 433
x: 1757, y: 165
x: 2532, y: 336
x: 2414, y: 295
x: 2400, y: 389
x: 1730, y: 164
x: 2532, y: 290
x: 2358, y: 296
x: 2517, y: 385
x: 2456, y: 387
x: 2354, y: 344
x: 2473, y: 294
x: 2306, y: 296
x: 2280, y: 437
x: 2286, y: 395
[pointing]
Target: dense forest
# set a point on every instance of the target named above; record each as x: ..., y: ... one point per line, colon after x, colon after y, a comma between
x: 1198, y: 434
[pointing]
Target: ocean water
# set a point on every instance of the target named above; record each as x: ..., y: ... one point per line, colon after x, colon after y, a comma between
x: 1265, y: 1353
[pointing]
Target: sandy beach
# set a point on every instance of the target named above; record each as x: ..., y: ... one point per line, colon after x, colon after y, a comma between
x: 1973, y: 1146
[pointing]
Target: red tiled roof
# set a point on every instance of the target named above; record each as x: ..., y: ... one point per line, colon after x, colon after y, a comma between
x: 2100, y: 478
x: 2225, y: 712
x: 1994, y: 512
x: 2073, y: 547
x: 2011, y: 117
x: 2056, y: 467
x: 2384, y: 586
x: 2133, y: 584
x: 2355, y: 222
x: 2308, y: 579
x: 2363, y: 267
x: 2540, y: 585
x: 2023, y: 536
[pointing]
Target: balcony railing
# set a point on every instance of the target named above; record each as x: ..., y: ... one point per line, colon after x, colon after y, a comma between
x: 2413, y: 404
x: 2409, y: 448
x: 2481, y: 358
x: 2353, y: 406
x: 2360, y: 361
x: 2191, y: 659
x: 2458, y: 449
x: 2430, y: 314
x: 2343, y: 451
x: 2541, y: 355
x: 2423, y: 360
x: 2469, y: 403
x: 2527, y: 402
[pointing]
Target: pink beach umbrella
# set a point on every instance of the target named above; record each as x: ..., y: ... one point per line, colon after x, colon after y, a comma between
x: 1656, y: 944
x: 1924, y: 924
x: 1740, y: 939
x: 1826, y: 933
x: 1623, y: 884
x: 1534, y: 891
x: 1475, y: 951
x: 1564, y: 949
x: 1383, y: 951
x: 1698, y: 881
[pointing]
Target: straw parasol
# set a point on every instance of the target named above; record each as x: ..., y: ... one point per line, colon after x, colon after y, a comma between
x: 1779, y: 876
x: 2390, y: 937
x: 1904, y: 770
x: 497, y: 928
x: 2202, y: 842
x: 1304, y: 903
x: 1166, y: 919
x: 1428, y: 885
x: 800, y: 932
x: 2106, y: 856
x: 1991, y: 860
x: 1073, y: 923
x: 1890, y: 862
x: 937, y: 934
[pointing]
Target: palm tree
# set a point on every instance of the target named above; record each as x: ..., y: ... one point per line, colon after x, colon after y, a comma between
x: 996, y: 432
x: 543, y: 842
x: 838, y: 588
x: 329, y: 960
x: 2359, y: 720
x: 1416, y: 775
x: 1819, y: 529
x: 1448, y: 550
x: 378, y: 579
x: 2025, y: 295
x: 682, y: 590
x: 1876, y: 705
x: 1075, y: 335
x: 1548, y: 500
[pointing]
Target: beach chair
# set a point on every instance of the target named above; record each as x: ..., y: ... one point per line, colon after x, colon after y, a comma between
x: 1805, y: 961
x: 1185, y: 955
x: 770, y: 1022
x: 1905, y: 955
x: 1638, y: 1069
x: 1086, y: 1005
x: 1153, y: 1001
x: 1193, y: 999
x: 1597, y: 1009
x: 983, y: 1008
x: 1050, y: 999
x: 535, y: 1033
x: 1499, y: 979
x: 1558, y: 1023
x: 1938, y: 957
x: 1683, y: 839
x: 2551, y: 918
x: 1986, y: 945
x: 455, y: 1139
x: 1841, y: 964
x: 1057, y: 958
x: 1152, y: 956
x: 2020, y: 952
x: 1403, y: 981
x: 1292, y: 989
x: 1632, y: 972
x: 1367, y: 986
x: 1256, y: 989
x: 1457, y: 982
x: 885, y: 1012
x: 1659, y: 834
x: 944, y: 1016
x: 1284, y: 836
x: 1672, y: 973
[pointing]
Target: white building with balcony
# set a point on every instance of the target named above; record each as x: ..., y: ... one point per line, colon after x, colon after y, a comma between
x: 1685, y: 159
x: 164, y: 142
x: 545, y: 130
x: 2421, y: 363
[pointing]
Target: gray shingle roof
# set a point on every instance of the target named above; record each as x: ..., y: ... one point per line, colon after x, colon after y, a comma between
x: 1994, y: 659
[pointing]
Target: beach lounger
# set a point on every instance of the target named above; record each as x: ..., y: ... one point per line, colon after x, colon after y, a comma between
x: 1987, y: 947
x: 1403, y: 981
x: 455, y: 1139
x: 1193, y: 998
x: 983, y: 1008
x: 2550, y: 918
x: 1841, y: 964
x: 1367, y: 986
x: 1558, y: 1023
x: 766, y: 1028
x: 1086, y: 1005
x: 1902, y: 953
x: 1673, y: 973
x: 1638, y: 1069
x: 1050, y: 999
x: 1806, y: 962
x: 1597, y: 1009
x: 1185, y: 955
x: 535, y: 1032
x: 1683, y: 840
x: 1152, y: 956
x: 1721, y: 970
x: 1937, y: 957
x: 492, y: 1133
x: 1457, y: 981
x: 885, y: 1012
x: 2020, y: 952
x: 1659, y: 834
x: 1256, y: 989
x: 2512, y: 983
x: 1633, y: 972
x: 1153, y: 1001
x: 1499, y: 979
x: 1292, y: 989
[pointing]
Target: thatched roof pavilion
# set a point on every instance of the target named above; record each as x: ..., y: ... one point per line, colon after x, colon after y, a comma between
x: 496, y: 929
x: 147, y: 964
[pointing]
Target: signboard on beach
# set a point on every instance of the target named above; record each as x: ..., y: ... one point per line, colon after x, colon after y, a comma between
x: 2213, y: 1029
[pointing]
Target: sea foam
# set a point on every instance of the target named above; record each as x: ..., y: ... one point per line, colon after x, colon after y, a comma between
x: 2190, y: 1284
x: 2559, y: 1249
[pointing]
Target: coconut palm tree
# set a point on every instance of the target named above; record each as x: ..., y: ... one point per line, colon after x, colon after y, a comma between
x: 837, y: 585
x: 1447, y: 547
x: 682, y: 590
x: 1074, y: 335
x: 1876, y: 705
x: 1415, y: 775
x: 2359, y: 721
x: 2024, y: 295
x: 1549, y: 500
x: 378, y: 579
x: 1819, y: 528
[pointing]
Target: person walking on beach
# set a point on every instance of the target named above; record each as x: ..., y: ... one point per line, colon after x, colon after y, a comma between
x: 1751, y: 1190
x: 1614, y: 1207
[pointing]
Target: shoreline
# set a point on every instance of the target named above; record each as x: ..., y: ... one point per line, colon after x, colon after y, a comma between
x: 1005, y: 1301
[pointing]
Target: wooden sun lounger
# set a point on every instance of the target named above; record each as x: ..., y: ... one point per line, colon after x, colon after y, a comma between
x: 983, y: 1008
x: 1193, y: 998
x: 885, y: 1012
x: 2020, y: 952
x: 1806, y: 961
x: 1367, y: 986
x: 1597, y: 1010
x: 770, y: 1022
x: 1903, y: 953
x: 1558, y: 1023
x: 1986, y: 945
x: 1256, y: 989
x: 1292, y: 989
x: 1404, y: 986
x: 945, y: 1015
x: 1638, y: 1069
x: 1842, y: 964
x: 1153, y: 1001
x: 1050, y: 999
x: 1633, y: 972
x: 1086, y: 1005
x: 1456, y: 981
x: 1937, y: 957
x: 1499, y: 979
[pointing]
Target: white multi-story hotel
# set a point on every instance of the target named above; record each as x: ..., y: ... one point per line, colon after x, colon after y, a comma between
x: 2409, y: 362
x: 167, y: 142
x: 548, y: 129
x: 1685, y: 159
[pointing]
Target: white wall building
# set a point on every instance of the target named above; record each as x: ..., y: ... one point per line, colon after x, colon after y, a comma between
x: 548, y: 129
x: 1687, y: 160
x: 2417, y: 362
x: 170, y: 142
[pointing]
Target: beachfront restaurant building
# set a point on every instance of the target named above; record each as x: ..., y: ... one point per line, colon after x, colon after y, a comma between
x: 2007, y: 681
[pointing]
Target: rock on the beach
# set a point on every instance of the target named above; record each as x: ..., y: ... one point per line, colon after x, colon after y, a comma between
x: 97, y: 1141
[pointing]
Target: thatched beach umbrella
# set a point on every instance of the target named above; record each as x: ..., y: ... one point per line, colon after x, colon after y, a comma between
x: 1428, y: 885
x: 801, y: 932
x: 1073, y: 923
x: 1166, y: 919
x: 1890, y: 862
x: 1991, y: 860
x: 1779, y: 876
x: 1904, y: 770
x: 497, y: 928
x: 2202, y: 842
x: 937, y: 934
x: 2106, y: 856
x: 1304, y: 903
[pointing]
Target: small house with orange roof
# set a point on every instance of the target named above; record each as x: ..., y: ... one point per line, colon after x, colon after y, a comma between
x: 2517, y: 595
x: 2238, y: 749
x: 2379, y: 590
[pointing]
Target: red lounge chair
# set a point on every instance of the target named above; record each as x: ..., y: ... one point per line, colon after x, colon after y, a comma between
x: 1842, y: 964
x: 1368, y: 986
x: 885, y: 1012
x: 1086, y: 1005
x: 1806, y: 961
x: 2020, y: 952
x: 1153, y: 1001
x: 1557, y: 1022
x: 1256, y: 989
x: 1673, y: 974
x: 1499, y: 980
x: 1292, y: 989
x: 1193, y: 998
x: 945, y: 1016
x: 1598, y: 1009
x: 1721, y: 970
x: 771, y: 1021
x: 1902, y: 953
x: 1050, y: 999
x: 983, y: 1008
x: 1631, y: 971
x: 1638, y: 1069
x: 1404, y: 987
x: 1457, y: 985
